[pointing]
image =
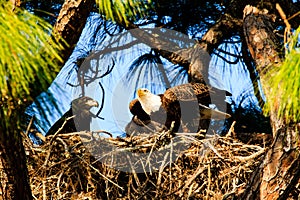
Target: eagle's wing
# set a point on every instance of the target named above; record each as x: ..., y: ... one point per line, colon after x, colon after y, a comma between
x: 141, y: 122
x: 68, y: 127
x: 171, y: 106
x: 140, y: 117
x: 202, y: 93
x: 190, y: 92
x: 187, y: 105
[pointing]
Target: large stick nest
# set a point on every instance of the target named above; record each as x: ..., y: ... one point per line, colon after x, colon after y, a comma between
x: 157, y: 166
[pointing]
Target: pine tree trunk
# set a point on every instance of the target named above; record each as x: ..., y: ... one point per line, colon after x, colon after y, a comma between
x: 13, y: 170
x: 70, y: 23
x: 280, y: 172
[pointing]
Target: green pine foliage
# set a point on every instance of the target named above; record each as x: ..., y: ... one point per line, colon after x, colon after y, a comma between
x: 28, y: 62
x: 284, y: 83
x: 123, y: 11
x: 27, y: 53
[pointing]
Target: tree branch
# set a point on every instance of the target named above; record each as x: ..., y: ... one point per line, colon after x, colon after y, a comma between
x: 70, y: 23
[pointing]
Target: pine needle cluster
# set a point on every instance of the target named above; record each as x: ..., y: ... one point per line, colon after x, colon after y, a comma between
x: 29, y: 57
x: 284, y: 83
x: 123, y: 11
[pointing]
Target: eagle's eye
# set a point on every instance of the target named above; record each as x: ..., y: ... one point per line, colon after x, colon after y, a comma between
x: 145, y: 90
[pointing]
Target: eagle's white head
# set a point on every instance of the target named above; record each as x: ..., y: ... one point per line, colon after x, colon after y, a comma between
x: 150, y: 102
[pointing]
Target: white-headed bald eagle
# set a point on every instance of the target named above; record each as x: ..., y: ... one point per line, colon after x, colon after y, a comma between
x: 186, y: 105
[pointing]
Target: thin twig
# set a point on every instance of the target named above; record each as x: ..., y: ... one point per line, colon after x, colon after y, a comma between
x: 29, y: 125
x: 56, y: 133
x: 96, y: 170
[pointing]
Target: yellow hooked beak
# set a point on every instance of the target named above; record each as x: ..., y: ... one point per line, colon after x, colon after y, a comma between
x: 142, y: 92
x: 94, y: 103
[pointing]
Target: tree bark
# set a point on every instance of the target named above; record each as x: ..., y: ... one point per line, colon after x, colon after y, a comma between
x: 70, y: 23
x: 279, y: 173
x: 13, y: 168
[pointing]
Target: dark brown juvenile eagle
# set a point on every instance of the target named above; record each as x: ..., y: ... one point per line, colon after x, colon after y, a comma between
x: 186, y: 105
x: 80, y: 111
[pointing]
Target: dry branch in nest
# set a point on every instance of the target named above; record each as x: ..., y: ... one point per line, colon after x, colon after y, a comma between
x: 157, y: 166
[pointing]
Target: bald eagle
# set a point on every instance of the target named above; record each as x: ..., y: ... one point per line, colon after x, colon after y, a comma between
x: 80, y: 111
x: 186, y: 105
